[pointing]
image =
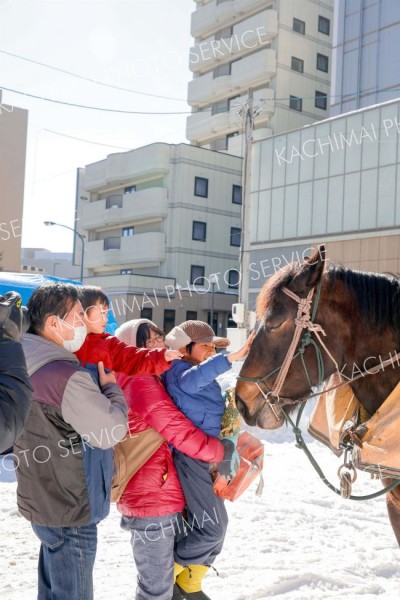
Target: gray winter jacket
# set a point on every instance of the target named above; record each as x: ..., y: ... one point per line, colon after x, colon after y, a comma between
x: 64, y: 456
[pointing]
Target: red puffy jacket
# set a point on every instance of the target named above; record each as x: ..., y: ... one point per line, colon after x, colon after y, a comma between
x: 119, y: 357
x: 155, y: 489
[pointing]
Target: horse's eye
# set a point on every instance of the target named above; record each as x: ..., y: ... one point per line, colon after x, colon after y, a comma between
x: 274, y: 327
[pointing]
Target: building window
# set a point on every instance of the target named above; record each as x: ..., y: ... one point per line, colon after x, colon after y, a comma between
x: 130, y: 189
x: 146, y: 313
x: 322, y: 63
x: 296, y: 103
x: 191, y: 315
x: 126, y: 272
x: 201, y: 187
x: 235, y: 236
x: 229, y: 137
x: 233, y: 102
x: 222, y: 70
x: 169, y: 320
x: 114, y: 201
x: 219, y: 107
x: 297, y: 64
x: 197, y: 275
x: 320, y: 100
x: 199, y: 231
x: 324, y: 25
x: 214, y: 324
x: 233, y: 279
x: 224, y: 33
x: 112, y: 243
x: 219, y: 144
x: 127, y: 231
x: 299, y: 26
x: 237, y: 194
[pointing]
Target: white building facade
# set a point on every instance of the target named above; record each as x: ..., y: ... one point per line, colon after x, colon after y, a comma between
x: 281, y: 49
x: 336, y: 182
x: 366, y: 47
x: 158, y: 221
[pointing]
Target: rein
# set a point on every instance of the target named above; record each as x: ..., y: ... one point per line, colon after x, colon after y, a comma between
x: 304, y: 320
x: 300, y: 443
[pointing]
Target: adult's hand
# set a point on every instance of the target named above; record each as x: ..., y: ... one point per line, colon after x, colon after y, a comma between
x: 105, y: 378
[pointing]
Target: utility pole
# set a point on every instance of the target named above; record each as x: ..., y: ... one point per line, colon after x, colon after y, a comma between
x: 248, y: 113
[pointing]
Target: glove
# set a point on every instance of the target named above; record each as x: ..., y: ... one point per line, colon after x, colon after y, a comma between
x: 231, y: 460
x: 14, y: 320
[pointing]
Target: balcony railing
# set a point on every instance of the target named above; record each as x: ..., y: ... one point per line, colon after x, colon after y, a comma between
x: 136, y: 250
x: 213, y: 16
x: 250, y: 71
x: 137, y: 207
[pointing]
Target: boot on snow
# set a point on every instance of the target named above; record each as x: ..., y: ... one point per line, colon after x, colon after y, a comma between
x: 189, y: 582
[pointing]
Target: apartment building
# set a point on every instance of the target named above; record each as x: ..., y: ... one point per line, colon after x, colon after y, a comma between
x: 159, y: 221
x: 281, y: 49
x: 13, y: 134
x: 366, y: 47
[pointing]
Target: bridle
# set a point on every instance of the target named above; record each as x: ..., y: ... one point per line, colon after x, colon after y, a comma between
x: 306, y: 311
x: 305, y: 320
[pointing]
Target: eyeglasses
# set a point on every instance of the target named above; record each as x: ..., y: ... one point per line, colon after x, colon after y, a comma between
x: 157, y: 338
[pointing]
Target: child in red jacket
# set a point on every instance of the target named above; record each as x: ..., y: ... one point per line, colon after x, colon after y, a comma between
x: 115, y: 355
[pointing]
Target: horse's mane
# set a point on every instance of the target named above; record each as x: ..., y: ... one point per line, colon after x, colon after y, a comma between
x: 377, y: 295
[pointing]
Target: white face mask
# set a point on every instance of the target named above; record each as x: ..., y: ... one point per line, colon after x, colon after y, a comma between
x: 80, y: 333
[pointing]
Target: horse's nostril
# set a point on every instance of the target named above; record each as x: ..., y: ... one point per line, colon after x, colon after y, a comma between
x: 242, y: 408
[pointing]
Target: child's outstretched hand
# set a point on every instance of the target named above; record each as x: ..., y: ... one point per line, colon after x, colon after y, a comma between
x: 243, y: 351
x: 104, y: 377
x: 171, y: 355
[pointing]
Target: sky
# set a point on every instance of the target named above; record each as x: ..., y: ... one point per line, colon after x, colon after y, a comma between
x: 142, y: 45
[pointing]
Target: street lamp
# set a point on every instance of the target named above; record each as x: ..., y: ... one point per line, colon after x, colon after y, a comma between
x: 213, y: 279
x: 49, y: 223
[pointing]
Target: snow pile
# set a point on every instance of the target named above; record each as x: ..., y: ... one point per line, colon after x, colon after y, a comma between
x: 299, y: 541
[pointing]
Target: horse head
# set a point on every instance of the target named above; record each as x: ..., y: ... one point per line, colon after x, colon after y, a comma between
x: 278, y: 312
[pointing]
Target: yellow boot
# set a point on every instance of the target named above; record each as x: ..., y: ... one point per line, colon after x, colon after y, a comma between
x: 178, y: 569
x: 189, y: 582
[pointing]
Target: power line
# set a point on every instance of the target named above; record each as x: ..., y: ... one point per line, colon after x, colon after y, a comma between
x: 109, y: 85
x: 86, y: 141
x: 99, y: 108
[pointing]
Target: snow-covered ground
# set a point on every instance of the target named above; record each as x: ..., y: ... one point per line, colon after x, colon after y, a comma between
x: 299, y: 541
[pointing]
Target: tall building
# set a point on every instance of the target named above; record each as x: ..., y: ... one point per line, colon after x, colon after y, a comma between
x: 366, y: 47
x: 336, y: 182
x: 13, y: 134
x: 159, y: 220
x: 279, y: 48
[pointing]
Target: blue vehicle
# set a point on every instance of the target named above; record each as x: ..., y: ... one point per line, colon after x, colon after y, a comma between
x: 25, y: 283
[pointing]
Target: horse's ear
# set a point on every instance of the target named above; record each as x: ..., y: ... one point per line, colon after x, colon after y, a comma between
x: 310, y: 272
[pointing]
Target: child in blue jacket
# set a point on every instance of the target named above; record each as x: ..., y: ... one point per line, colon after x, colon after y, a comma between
x: 191, y: 384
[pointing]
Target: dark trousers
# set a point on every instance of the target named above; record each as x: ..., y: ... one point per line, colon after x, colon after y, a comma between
x: 206, y: 521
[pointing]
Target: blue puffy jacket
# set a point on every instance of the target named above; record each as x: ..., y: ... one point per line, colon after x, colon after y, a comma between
x: 196, y: 393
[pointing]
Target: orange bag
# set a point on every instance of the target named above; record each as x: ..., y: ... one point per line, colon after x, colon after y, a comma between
x: 251, y: 452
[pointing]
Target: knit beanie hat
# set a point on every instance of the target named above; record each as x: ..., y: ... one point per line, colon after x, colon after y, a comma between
x: 194, y: 331
x: 127, y: 331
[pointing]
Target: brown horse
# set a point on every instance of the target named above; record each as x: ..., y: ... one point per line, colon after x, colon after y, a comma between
x: 355, y: 316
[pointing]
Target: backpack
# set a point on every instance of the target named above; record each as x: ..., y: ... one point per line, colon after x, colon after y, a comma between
x: 130, y: 455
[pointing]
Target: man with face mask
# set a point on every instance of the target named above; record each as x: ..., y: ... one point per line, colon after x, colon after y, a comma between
x: 64, y: 457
